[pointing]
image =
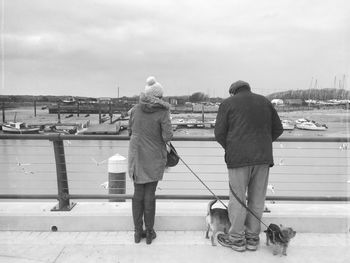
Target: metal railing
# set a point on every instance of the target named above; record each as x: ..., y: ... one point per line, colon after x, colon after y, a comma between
x: 324, y: 161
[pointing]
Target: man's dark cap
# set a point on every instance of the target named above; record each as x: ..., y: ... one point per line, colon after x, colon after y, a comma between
x: 240, y: 84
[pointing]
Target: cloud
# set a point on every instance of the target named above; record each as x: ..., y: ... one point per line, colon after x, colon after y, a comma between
x: 91, y: 46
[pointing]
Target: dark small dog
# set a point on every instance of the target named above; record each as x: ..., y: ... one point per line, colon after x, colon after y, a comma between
x: 279, y: 237
x: 217, y: 221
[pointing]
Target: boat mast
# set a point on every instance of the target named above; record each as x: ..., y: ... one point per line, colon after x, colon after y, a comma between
x: 315, y: 87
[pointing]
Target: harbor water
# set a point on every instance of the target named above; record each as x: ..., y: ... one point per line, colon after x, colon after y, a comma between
x: 301, y: 168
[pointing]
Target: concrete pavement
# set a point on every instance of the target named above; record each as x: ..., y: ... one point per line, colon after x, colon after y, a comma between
x: 102, y: 232
x: 169, y: 246
x: 170, y: 215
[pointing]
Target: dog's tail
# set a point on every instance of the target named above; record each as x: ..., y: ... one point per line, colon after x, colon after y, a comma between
x: 211, y: 203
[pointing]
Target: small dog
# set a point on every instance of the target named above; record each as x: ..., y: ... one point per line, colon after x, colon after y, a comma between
x: 279, y: 237
x: 217, y: 221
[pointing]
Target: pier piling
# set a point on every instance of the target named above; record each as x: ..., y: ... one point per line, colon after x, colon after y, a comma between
x: 3, y: 112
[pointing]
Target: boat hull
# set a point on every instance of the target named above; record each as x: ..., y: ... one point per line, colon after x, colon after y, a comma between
x: 302, y: 127
x: 7, y: 129
x: 288, y: 128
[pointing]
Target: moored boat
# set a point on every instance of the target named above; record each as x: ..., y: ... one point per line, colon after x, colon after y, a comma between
x: 191, y: 123
x: 312, y: 126
x: 18, y: 127
x: 70, y: 100
x: 301, y: 120
x: 288, y: 125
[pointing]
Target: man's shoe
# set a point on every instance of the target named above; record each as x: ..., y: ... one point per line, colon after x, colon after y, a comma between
x: 150, y: 235
x: 237, y: 245
x: 252, y: 244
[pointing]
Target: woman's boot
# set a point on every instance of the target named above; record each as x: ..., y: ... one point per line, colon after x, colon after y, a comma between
x: 149, y: 211
x: 137, y: 236
x: 150, y: 235
x: 137, y: 213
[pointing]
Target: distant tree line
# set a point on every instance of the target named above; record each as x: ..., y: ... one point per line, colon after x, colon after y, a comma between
x: 314, y: 94
x: 39, y: 98
x: 196, y: 97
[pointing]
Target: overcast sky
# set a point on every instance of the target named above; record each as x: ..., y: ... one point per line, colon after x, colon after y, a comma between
x: 89, y: 48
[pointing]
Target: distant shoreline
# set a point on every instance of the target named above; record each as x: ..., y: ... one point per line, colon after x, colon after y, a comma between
x: 338, y: 120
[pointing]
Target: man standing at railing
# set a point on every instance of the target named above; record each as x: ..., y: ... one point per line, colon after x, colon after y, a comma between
x: 246, y: 126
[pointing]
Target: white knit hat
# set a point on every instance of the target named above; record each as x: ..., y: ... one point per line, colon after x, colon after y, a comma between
x: 153, y: 88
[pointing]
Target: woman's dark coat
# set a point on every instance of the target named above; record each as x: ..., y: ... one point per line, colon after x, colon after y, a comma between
x: 149, y: 127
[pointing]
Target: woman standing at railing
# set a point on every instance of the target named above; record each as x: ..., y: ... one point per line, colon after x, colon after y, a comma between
x: 150, y: 128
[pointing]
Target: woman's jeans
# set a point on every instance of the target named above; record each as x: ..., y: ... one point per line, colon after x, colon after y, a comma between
x: 249, y: 183
x: 144, y: 205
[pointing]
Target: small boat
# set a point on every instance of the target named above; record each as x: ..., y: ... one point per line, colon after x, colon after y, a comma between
x: 191, y: 123
x: 301, y: 120
x: 288, y: 125
x: 51, y: 129
x: 70, y: 100
x: 212, y: 123
x: 177, y: 121
x: 199, y: 124
x: 19, y: 127
x: 312, y: 126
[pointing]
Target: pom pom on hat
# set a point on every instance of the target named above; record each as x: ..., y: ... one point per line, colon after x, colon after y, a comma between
x: 150, y: 80
x: 153, y: 88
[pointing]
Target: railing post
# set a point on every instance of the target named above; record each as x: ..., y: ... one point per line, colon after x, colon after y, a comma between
x: 62, y: 180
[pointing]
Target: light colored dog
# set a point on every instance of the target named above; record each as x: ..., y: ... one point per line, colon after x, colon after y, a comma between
x: 217, y: 221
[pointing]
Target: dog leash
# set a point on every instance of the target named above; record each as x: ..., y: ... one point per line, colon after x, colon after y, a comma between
x: 217, y: 198
x: 199, y: 179
x: 246, y: 207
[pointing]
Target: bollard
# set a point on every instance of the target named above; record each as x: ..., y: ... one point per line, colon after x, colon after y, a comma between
x: 117, y: 166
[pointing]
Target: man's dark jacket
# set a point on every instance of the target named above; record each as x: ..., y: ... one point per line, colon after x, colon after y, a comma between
x: 246, y: 125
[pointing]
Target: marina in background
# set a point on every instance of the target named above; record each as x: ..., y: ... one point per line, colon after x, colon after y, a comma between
x: 73, y: 116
